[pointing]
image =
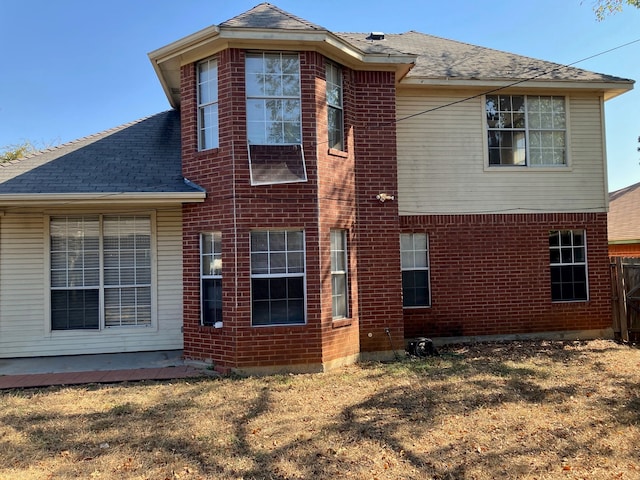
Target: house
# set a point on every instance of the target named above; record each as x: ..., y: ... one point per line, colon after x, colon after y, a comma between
x: 624, y: 222
x: 313, y: 198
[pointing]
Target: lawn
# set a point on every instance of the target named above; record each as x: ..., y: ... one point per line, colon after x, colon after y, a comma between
x: 521, y: 410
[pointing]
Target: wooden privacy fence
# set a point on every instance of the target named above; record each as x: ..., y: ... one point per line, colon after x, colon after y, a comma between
x: 625, y: 286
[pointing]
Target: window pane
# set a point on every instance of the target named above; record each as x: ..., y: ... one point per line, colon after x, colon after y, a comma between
x: 74, y: 309
x: 415, y: 269
x: 208, y: 104
x: 211, y: 301
x: 568, y: 265
x: 272, y: 295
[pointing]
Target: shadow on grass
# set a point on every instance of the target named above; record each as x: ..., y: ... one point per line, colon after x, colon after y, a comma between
x: 413, y: 399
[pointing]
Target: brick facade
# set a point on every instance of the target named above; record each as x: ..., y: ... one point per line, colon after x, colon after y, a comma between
x: 624, y: 250
x: 490, y: 275
x: 327, y: 200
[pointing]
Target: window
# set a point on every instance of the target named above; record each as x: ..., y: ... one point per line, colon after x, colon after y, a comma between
x: 100, y: 260
x: 208, y: 104
x: 339, y: 286
x: 567, y: 253
x: 211, y: 278
x: 414, y: 251
x: 277, y: 278
x: 526, y: 130
x: 334, y: 107
x: 274, y: 118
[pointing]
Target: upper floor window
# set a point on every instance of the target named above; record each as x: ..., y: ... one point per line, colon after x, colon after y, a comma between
x: 274, y: 118
x: 526, y: 130
x: 208, y: 104
x: 334, y: 107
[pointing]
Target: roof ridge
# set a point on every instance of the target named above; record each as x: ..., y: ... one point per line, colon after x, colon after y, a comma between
x: 70, y: 143
x: 623, y: 191
x: 261, y: 8
x: 293, y: 17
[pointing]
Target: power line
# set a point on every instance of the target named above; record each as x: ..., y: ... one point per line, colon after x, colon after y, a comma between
x: 512, y: 84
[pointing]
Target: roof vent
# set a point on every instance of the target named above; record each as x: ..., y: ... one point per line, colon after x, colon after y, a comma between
x: 376, y: 36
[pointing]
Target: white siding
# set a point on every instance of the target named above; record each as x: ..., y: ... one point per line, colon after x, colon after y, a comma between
x: 442, y: 162
x: 24, y: 330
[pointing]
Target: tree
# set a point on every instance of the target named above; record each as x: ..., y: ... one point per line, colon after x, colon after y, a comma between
x: 603, y: 8
x: 16, y: 151
x: 23, y: 149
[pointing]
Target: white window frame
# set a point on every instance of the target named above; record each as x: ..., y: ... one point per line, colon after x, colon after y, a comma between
x: 410, y: 262
x: 529, y: 129
x: 275, y: 268
x: 287, y: 145
x: 334, y: 94
x: 208, y: 115
x: 212, y: 260
x: 339, y: 257
x: 104, y: 285
x: 568, y: 253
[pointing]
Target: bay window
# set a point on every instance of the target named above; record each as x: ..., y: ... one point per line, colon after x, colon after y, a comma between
x: 211, y: 277
x: 208, y: 104
x: 274, y: 118
x: 277, y: 277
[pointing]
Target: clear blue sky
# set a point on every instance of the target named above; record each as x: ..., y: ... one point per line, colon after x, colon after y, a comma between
x: 71, y: 68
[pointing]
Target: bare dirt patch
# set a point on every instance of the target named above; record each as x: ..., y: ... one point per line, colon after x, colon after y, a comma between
x: 521, y: 410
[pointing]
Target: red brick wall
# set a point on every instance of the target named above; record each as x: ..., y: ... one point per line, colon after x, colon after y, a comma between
x: 235, y: 208
x: 337, y: 209
x: 625, y: 250
x: 377, y: 230
x: 490, y: 275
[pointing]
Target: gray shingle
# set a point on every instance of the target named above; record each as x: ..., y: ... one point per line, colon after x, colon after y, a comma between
x: 439, y: 58
x: 266, y: 15
x: 142, y: 156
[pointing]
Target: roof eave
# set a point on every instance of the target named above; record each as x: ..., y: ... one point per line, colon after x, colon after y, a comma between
x: 624, y: 242
x: 111, y: 198
x: 610, y: 89
x: 168, y: 60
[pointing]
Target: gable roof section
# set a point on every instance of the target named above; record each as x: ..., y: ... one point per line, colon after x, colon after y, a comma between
x: 417, y: 58
x: 267, y: 27
x: 266, y: 15
x: 138, y: 161
x: 623, y: 221
x: 446, y: 62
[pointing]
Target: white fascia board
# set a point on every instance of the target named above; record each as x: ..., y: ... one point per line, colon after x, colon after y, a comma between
x: 610, y: 89
x: 168, y: 60
x: 68, y: 199
x: 178, y: 47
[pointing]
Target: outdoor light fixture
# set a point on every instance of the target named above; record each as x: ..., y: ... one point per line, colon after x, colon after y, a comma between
x: 383, y: 197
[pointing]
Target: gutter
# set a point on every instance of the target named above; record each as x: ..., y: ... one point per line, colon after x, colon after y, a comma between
x: 65, y: 199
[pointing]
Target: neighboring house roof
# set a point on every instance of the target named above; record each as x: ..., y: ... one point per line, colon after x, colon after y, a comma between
x: 137, y: 160
x: 624, y: 215
x: 418, y: 58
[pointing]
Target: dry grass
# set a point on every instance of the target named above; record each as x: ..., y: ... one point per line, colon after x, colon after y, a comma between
x: 503, y: 410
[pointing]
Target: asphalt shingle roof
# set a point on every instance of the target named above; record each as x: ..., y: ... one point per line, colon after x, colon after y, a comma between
x: 138, y: 157
x: 440, y: 58
x: 624, y: 215
x: 266, y: 15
